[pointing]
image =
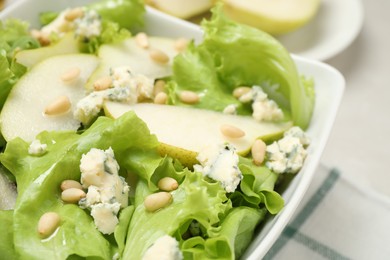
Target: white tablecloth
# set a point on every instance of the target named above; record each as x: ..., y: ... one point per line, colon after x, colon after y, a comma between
x: 359, y: 143
x: 346, y: 213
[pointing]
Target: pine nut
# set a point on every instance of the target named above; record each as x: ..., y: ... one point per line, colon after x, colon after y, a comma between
x: 48, y: 223
x: 159, y: 86
x: 167, y: 184
x: 35, y: 33
x: 70, y: 75
x: 161, y: 98
x: 232, y: 131
x: 58, y: 106
x: 189, y: 97
x: 258, y: 151
x: 159, y: 56
x: 43, y: 39
x: 181, y: 44
x: 102, y: 83
x: 67, y: 184
x: 238, y: 92
x: 157, y: 201
x: 72, y: 195
x: 73, y: 14
x: 142, y: 40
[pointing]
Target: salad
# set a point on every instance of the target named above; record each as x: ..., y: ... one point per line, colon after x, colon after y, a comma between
x: 127, y: 146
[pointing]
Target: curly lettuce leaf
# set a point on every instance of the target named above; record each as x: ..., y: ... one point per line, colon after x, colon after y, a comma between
x: 195, y: 61
x: 118, y: 17
x: 257, y: 188
x: 111, y: 33
x: 236, y: 233
x: 126, y: 13
x: 14, y: 36
x: 121, y: 229
x: 39, y: 179
x: 6, y: 239
x: 195, y: 199
x: 233, y: 55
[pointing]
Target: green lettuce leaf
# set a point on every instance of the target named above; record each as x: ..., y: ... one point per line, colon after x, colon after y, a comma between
x: 257, y: 188
x: 121, y: 229
x: 126, y: 13
x: 118, y: 17
x: 233, y: 55
x: 236, y: 233
x: 39, y: 179
x: 195, y: 199
x: 14, y: 36
x: 6, y: 239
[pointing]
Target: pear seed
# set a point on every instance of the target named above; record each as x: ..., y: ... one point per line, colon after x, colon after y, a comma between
x: 58, y: 106
x: 72, y: 195
x: 67, y: 184
x: 167, y: 184
x: 232, y: 131
x: 48, y: 223
x: 159, y: 56
x: 142, y: 40
x: 258, y: 151
x: 157, y: 201
x: 189, y: 97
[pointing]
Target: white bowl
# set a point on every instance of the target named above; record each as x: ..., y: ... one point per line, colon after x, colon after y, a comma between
x: 329, y: 86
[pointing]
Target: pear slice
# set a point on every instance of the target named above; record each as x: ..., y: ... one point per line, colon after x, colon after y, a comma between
x: 274, y: 17
x: 183, y: 9
x: 129, y: 53
x: 67, y: 45
x: 184, y: 131
x: 23, y: 112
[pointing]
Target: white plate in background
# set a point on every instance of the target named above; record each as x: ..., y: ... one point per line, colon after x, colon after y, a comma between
x: 333, y: 29
x: 329, y: 88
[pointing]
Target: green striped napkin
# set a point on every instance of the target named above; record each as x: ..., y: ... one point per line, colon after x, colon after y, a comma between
x: 338, y: 219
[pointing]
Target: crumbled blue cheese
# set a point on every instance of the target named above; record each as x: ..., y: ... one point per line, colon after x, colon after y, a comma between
x: 296, y: 131
x: 264, y: 109
x: 138, y: 85
x: 105, y: 216
x: 220, y: 163
x: 89, y: 25
x: 126, y: 87
x: 230, y: 109
x: 107, y: 191
x: 288, y: 154
x: 37, y: 148
x: 89, y: 107
x: 164, y: 248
